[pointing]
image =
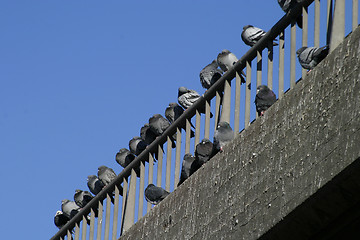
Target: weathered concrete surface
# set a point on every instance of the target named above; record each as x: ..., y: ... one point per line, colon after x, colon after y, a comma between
x: 266, y: 174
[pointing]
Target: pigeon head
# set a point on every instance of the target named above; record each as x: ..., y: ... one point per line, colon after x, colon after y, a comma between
x: 205, y: 140
x: 102, y: 168
x: 123, y: 150
x: 182, y: 90
x: 188, y: 156
x: 150, y: 185
x: 225, y: 51
x: 224, y: 125
x: 300, y: 50
x: 78, y: 191
x: 247, y: 26
x: 262, y: 88
x: 64, y: 201
x: 58, y: 213
x: 156, y: 116
x: 91, y: 177
x: 173, y: 104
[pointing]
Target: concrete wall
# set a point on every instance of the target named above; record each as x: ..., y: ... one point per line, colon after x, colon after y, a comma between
x: 283, y: 158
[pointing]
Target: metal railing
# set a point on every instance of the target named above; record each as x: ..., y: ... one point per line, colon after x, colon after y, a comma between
x: 233, y: 107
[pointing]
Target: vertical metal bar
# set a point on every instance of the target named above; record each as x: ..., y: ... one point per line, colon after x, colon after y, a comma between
x: 107, y: 217
x: 355, y: 14
x: 62, y: 238
x: 338, y: 26
x: 259, y: 69
x: 150, y: 177
x: 197, y: 128
x: 304, y: 34
x: 92, y: 224
x: 317, y: 24
x: 292, y: 55
x: 99, y: 221
x: 77, y: 231
x: 69, y: 236
x: 226, y: 102
x: 168, y: 164
x: 159, y: 166
x: 270, y: 66
x: 187, y: 136
x: 281, y: 63
x: 124, y: 204
x: 247, y: 94
x: 116, y: 213
x: 329, y: 20
x: 83, y: 228
x: 217, y: 109
x: 207, y: 120
x: 177, y: 157
x: 130, y: 205
x: 141, y: 190
x: 237, y: 103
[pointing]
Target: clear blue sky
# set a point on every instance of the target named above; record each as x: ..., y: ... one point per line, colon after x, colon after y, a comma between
x: 79, y: 79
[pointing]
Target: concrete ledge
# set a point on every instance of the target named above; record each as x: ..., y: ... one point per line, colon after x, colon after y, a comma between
x: 273, y: 169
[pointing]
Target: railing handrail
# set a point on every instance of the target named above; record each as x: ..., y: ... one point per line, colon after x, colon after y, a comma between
x: 284, y: 22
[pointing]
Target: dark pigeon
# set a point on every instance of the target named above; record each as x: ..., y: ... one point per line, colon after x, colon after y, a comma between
x: 186, y: 167
x: 286, y: 6
x: 94, y: 184
x: 309, y: 57
x: 148, y: 136
x: 60, y: 219
x: 158, y: 124
x: 82, y: 198
x: 187, y: 97
x: 137, y: 145
x: 154, y: 194
x: 106, y: 174
x: 264, y: 98
x: 173, y: 112
x: 222, y: 136
x: 210, y: 74
x: 251, y: 35
x: 203, y: 153
x: 124, y: 157
x: 69, y: 208
x: 226, y: 60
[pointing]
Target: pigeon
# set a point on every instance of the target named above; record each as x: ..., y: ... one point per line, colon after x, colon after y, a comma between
x: 286, y: 5
x: 173, y: 112
x: 251, y: 35
x: 264, y: 98
x: 203, y: 153
x: 158, y: 124
x: 82, y: 198
x: 187, y: 97
x: 186, y: 167
x: 94, y: 184
x: 309, y: 57
x: 69, y: 208
x: 226, y: 60
x: 222, y: 136
x: 60, y: 219
x: 146, y: 134
x: 106, y: 175
x: 154, y: 194
x: 210, y: 74
x: 137, y: 145
x: 124, y: 157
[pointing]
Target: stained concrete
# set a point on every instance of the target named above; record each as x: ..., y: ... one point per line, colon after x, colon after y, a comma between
x: 277, y: 168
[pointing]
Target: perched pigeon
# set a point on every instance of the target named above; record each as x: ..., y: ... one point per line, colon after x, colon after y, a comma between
x: 186, y: 167
x: 187, y: 97
x: 210, y: 74
x: 60, y: 219
x: 222, y: 136
x: 124, y: 157
x: 137, y: 145
x: 69, y: 208
x: 264, y: 98
x: 94, y: 184
x: 82, y: 198
x: 146, y: 134
x: 203, y: 153
x: 309, y: 57
x: 226, y: 60
x: 154, y: 194
x: 158, y: 124
x: 286, y: 5
x: 251, y: 35
x: 106, y: 174
x: 173, y: 112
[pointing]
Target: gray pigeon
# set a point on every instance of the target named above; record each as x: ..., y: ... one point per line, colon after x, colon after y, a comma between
x: 60, y: 219
x: 187, y: 97
x: 222, y: 136
x: 106, y: 175
x: 158, y: 124
x: 210, y: 74
x: 146, y: 134
x: 286, y: 6
x: 94, y: 184
x: 82, y: 198
x: 203, y: 153
x: 124, y: 157
x: 264, y: 98
x: 69, y: 208
x: 251, y: 35
x: 226, y: 60
x: 186, y: 167
x: 137, y: 145
x: 309, y: 57
x: 154, y: 194
x: 173, y: 112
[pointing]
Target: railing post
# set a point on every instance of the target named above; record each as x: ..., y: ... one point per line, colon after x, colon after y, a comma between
x: 293, y: 54
x: 150, y: 178
x: 226, y: 102
x: 281, y: 63
x: 99, y: 220
x: 177, y: 157
x: 355, y: 14
x: 247, y: 94
x: 317, y: 24
x: 141, y: 189
x: 237, y: 103
x: 304, y: 34
x: 168, y: 164
x: 338, y: 25
x: 130, y: 204
x: 116, y: 213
